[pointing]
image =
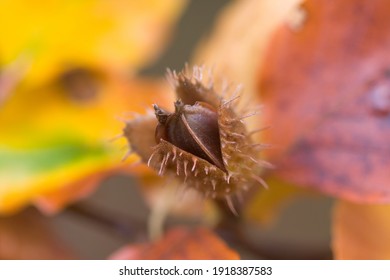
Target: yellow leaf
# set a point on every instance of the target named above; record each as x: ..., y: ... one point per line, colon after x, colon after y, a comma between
x: 57, y: 123
x: 361, y: 231
x: 49, y: 140
x: 61, y: 34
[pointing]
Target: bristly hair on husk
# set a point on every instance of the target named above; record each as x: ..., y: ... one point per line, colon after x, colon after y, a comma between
x: 205, y: 142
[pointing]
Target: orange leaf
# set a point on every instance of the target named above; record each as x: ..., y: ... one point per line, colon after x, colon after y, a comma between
x: 179, y: 244
x: 361, y: 231
x: 326, y: 93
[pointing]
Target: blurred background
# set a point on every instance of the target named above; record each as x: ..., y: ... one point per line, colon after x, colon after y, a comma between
x: 92, y: 229
x: 303, y: 229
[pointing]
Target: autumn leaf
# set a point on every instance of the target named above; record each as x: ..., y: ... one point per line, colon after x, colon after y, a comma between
x: 180, y: 244
x: 72, y: 88
x: 361, y: 231
x: 50, y: 141
x: 325, y: 91
x: 57, y: 35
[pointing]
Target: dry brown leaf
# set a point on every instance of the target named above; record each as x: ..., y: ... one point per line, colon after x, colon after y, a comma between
x: 326, y: 89
x: 180, y: 244
x: 361, y: 231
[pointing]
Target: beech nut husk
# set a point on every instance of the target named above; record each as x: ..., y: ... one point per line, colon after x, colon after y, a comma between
x: 204, y: 142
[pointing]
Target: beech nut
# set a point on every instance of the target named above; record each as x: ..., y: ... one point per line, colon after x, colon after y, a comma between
x: 203, y: 142
x: 192, y: 128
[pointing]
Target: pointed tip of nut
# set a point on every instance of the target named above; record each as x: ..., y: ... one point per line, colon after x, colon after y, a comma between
x: 161, y: 114
x: 178, y: 105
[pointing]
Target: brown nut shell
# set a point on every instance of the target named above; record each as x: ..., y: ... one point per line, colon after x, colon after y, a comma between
x: 205, y: 142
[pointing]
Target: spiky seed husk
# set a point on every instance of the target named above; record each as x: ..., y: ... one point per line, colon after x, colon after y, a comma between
x: 204, y: 142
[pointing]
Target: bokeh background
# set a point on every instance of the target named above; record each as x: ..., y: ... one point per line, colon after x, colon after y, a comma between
x: 301, y: 231
x: 304, y: 226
